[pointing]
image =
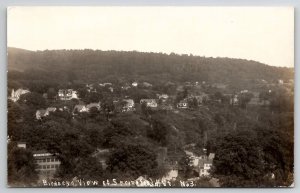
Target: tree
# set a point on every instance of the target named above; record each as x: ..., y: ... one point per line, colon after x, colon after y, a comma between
x: 108, y: 108
x: 218, y: 95
x: 115, y: 134
x: 95, y: 136
x: 158, y: 132
x: 14, y: 115
x: 33, y: 99
x: 93, y: 112
x: 88, y: 168
x: 51, y: 93
x: 145, y: 109
x: 131, y: 161
x: 21, y: 167
x: 244, y: 99
x: 193, y: 103
x: 238, y: 156
x: 186, y: 169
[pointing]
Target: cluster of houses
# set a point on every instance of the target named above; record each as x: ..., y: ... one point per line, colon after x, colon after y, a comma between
x: 126, y: 105
x: 201, y: 164
x: 162, y: 101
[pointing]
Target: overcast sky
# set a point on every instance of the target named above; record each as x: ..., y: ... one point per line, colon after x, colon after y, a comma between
x: 262, y: 34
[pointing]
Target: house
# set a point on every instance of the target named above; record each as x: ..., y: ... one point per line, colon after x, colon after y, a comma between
x: 180, y: 88
x: 205, y: 165
x: 167, y: 107
x: 142, y: 182
x: 146, y: 84
x: 105, y: 84
x: 111, y: 89
x: 15, y: 95
x: 280, y: 81
x: 45, y: 95
x: 183, y: 104
x: 47, y: 164
x: 128, y: 106
x: 171, y: 175
x: 80, y: 109
x: 149, y: 102
x: 44, y: 112
x: 199, y: 97
x: 233, y: 99
x: 201, y: 164
x: 90, y: 88
x: 124, y: 105
x: 163, y: 97
x: 256, y: 101
x: 91, y: 105
x: 219, y: 85
x: 67, y: 94
x: 64, y: 108
x: 21, y: 145
x: 125, y: 87
x: 135, y: 84
x: 51, y: 109
x: 41, y: 113
x: 244, y: 91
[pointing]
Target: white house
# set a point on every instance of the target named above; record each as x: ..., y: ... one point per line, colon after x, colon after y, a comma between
x: 44, y: 112
x: 130, y: 103
x: 163, y: 97
x: 234, y: 100
x: 183, y: 104
x: 135, y: 84
x: 171, y: 175
x: 80, y: 109
x: 205, y: 165
x: 21, y: 145
x: 15, y: 95
x: 280, y: 81
x: 91, y: 105
x: 67, y: 94
x: 149, y: 102
x: 105, y: 84
x: 111, y: 89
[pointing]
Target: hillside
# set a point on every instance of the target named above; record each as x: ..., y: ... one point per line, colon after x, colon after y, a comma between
x: 95, y: 65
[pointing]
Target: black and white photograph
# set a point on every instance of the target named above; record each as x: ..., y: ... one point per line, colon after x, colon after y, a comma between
x: 150, y: 96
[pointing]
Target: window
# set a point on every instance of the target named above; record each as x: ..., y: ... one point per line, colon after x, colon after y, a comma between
x: 44, y: 167
x: 43, y: 160
x: 48, y: 166
x: 52, y: 159
x: 48, y: 159
x: 52, y: 166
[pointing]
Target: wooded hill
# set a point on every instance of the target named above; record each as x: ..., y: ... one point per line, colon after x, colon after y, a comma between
x: 95, y: 65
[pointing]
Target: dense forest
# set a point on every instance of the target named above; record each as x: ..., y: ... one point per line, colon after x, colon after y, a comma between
x: 95, y: 65
x: 252, y: 144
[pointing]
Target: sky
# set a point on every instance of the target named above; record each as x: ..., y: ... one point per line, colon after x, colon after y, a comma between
x: 264, y: 34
